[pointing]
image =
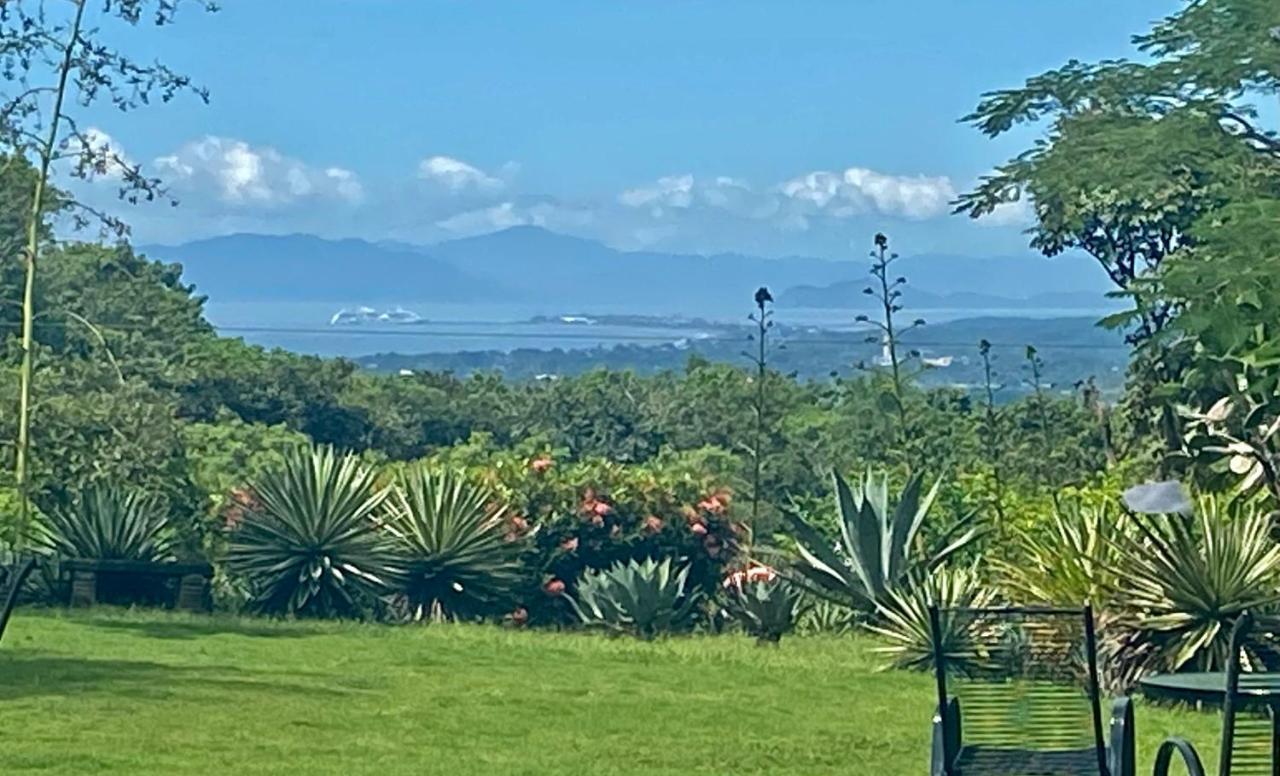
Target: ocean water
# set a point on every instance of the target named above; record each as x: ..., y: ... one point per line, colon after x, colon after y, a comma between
x: 449, y: 328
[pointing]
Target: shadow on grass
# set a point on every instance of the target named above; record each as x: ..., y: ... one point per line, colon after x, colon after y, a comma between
x: 27, y: 675
x: 194, y: 629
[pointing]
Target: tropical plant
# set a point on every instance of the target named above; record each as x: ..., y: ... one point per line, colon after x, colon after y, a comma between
x: 904, y: 620
x: 822, y: 616
x: 1181, y: 582
x: 108, y: 523
x: 449, y: 536
x: 644, y: 598
x: 1069, y: 561
x: 767, y: 608
x: 878, y: 548
x: 309, y: 543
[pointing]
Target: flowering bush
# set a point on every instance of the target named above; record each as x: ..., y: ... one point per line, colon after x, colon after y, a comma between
x: 576, y: 516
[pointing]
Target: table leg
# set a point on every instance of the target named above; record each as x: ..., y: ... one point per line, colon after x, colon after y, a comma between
x: 1275, y: 739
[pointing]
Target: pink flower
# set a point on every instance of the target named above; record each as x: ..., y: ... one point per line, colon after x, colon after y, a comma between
x: 520, y: 616
x: 751, y: 574
x: 540, y: 465
x: 570, y: 544
x: 597, y: 521
x: 653, y: 524
x: 712, y: 504
x: 519, y: 524
x: 554, y: 587
x: 698, y: 529
x: 602, y: 508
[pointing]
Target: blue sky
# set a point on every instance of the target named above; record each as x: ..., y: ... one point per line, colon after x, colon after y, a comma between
x: 765, y: 127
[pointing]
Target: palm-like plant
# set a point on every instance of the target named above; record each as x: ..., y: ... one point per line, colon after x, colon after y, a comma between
x: 1069, y: 562
x: 878, y: 547
x: 109, y: 523
x: 643, y: 598
x: 449, y: 538
x: 904, y: 621
x: 1181, y: 582
x: 311, y: 543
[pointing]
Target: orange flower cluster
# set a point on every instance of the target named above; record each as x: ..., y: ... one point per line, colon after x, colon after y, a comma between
x: 240, y: 502
x: 756, y: 572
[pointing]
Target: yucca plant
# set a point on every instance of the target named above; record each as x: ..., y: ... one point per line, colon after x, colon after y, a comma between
x: 1068, y: 562
x: 448, y: 536
x: 1181, y: 582
x: 904, y: 621
x: 766, y: 609
x: 821, y: 616
x: 109, y: 523
x: 643, y: 598
x: 311, y: 544
x: 878, y: 546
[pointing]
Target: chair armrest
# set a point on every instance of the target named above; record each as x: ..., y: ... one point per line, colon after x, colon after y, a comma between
x: 1182, y: 747
x: 1121, y: 757
x: 946, y: 740
x: 17, y: 578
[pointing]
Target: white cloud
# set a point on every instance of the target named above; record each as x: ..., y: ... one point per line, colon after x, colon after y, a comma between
x: 1020, y: 212
x: 457, y: 175
x: 858, y: 191
x: 236, y: 173
x: 102, y: 152
x: 671, y: 191
x: 504, y: 215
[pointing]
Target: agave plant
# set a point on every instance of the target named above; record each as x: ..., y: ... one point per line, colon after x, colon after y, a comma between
x: 109, y: 523
x: 1068, y: 562
x: 311, y: 544
x: 766, y: 609
x: 878, y: 548
x: 449, y: 539
x: 643, y: 598
x: 1181, y: 583
x: 904, y: 621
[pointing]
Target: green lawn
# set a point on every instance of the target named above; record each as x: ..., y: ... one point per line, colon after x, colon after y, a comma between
x: 114, y: 692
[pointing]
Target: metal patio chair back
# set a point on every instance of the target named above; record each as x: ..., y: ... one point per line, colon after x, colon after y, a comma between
x: 1250, y: 742
x: 1018, y: 694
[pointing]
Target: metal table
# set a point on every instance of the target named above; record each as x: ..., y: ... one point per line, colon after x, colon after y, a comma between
x: 1210, y: 687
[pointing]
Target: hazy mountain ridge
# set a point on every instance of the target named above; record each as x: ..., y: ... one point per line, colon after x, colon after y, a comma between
x: 531, y: 264
x: 850, y: 295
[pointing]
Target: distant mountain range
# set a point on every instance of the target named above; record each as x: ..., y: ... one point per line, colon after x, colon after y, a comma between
x: 850, y: 295
x: 532, y: 265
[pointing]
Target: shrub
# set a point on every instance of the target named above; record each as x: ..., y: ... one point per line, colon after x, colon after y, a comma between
x: 877, y: 548
x: 448, y: 534
x: 904, y: 620
x: 642, y: 598
x: 1182, y: 582
x: 594, y: 514
x: 308, y: 542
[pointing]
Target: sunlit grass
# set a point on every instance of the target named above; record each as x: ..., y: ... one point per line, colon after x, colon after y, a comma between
x: 118, y: 692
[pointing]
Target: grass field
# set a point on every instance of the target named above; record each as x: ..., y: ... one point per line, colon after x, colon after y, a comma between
x: 108, y: 691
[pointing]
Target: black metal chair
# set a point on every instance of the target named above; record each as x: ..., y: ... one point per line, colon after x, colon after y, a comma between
x: 1250, y: 741
x: 12, y: 577
x: 1018, y: 694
